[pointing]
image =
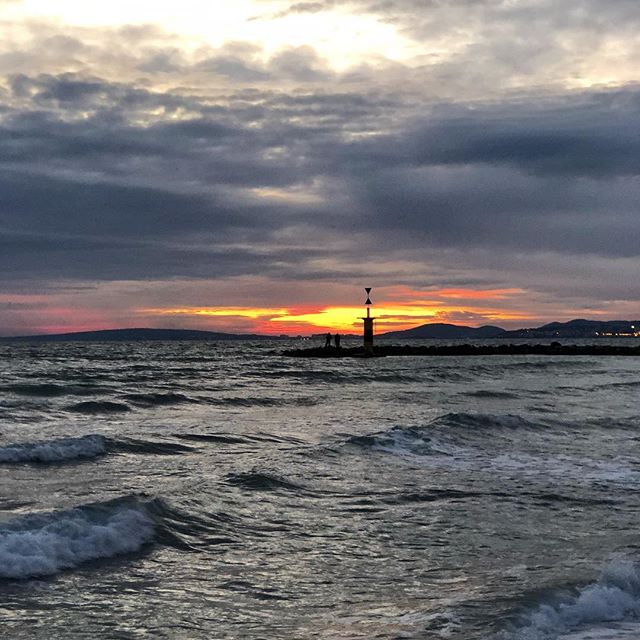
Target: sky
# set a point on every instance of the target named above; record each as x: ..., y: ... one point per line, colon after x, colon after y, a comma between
x: 250, y: 166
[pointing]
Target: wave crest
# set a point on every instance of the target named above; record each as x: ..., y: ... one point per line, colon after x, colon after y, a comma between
x: 85, y: 447
x: 614, y: 597
x: 59, y: 450
x: 446, y: 435
x: 42, y: 545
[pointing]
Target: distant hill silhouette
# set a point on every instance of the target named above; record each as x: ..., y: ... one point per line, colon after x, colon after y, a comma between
x: 440, y: 331
x: 578, y: 329
x: 447, y: 331
x: 572, y: 329
x: 137, y: 335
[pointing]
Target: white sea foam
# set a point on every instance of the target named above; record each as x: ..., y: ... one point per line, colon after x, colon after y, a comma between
x: 410, y: 443
x: 58, y: 450
x: 588, y: 612
x: 619, y: 470
x: 435, y: 448
x: 46, y: 544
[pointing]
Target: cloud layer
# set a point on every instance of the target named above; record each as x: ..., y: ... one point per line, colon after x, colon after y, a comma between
x: 486, y: 159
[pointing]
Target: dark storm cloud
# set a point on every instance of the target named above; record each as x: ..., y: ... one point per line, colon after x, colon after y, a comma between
x: 553, y: 176
x: 99, y: 180
x: 55, y: 256
x: 502, y: 209
x: 591, y: 135
x: 255, y: 139
x: 60, y: 89
x: 72, y: 92
x: 30, y: 202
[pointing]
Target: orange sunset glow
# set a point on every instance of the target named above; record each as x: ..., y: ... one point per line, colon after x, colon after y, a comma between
x: 338, y: 309
x: 400, y: 308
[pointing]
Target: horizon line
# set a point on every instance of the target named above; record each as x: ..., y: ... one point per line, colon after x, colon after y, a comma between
x: 301, y: 334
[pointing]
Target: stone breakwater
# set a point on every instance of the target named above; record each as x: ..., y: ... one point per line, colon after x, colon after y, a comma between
x: 553, y: 349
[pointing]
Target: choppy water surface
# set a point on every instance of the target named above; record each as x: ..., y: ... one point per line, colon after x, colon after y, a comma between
x: 200, y: 490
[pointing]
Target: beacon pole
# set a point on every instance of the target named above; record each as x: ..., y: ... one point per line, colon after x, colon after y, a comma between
x: 368, y: 326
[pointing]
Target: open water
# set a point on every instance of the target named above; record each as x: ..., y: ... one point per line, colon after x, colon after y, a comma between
x: 203, y: 490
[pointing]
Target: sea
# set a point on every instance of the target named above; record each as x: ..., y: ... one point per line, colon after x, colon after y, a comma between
x: 222, y: 490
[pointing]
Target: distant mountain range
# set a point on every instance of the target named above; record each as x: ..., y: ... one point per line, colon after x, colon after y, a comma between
x: 571, y: 329
x: 580, y: 329
x: 136, y: 335
x: 447, y: 331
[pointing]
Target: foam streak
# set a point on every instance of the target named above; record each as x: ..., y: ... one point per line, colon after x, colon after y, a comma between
x: 46, y: 544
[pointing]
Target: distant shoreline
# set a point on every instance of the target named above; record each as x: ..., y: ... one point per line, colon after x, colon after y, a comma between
x: 571, y: 330
x: 140, y: 335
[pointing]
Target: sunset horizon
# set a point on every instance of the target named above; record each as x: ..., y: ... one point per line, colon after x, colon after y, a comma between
x: 401, y: 309
x: 312, y: 320
x: 249, y: 169
x: 320, y: 319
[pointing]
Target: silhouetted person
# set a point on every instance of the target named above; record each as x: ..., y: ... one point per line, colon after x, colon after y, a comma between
x: 337, y: 339
x: 327, y: 342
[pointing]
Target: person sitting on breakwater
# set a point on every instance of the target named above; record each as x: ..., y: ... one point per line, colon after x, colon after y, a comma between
x: 337, y: 339
x: 327, y: 342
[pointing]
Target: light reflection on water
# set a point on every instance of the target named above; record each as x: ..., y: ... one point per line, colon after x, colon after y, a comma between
x: 399, y: 497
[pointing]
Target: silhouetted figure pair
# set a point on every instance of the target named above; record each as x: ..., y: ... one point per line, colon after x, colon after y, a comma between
x: 327, y: 342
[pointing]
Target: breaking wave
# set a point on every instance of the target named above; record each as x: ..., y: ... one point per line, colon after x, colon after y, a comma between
x: 444, y: 435
x: 477, y: 421
x: 84, y: 447
x: 45, y: 544
x: 614, y: 597
x: 402, y: 440
x: 493, y: 442
x: 59, y: 450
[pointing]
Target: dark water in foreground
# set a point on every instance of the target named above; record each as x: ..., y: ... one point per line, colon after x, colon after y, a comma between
x: 198, y: 490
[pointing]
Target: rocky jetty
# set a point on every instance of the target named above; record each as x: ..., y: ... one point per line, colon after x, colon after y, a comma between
x: 553, y: 349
